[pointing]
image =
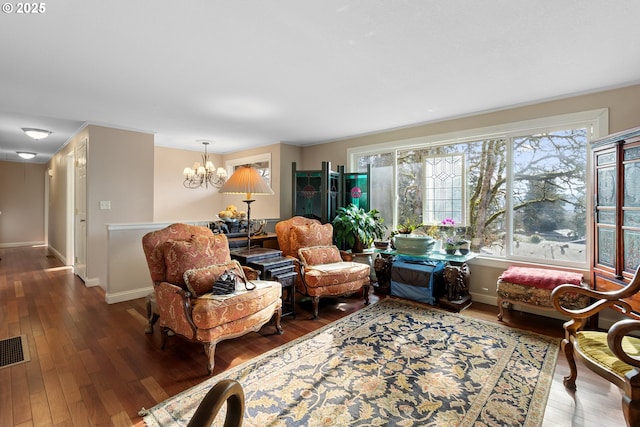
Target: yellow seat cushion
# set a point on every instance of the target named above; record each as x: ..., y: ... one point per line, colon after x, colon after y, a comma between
x: 594, y: 345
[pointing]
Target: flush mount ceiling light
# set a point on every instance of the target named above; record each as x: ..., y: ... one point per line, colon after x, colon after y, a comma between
x: 26, y: 155
x: 36, y: 133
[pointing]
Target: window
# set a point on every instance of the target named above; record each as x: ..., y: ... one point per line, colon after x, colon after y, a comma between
x: 261, y: 162
x: 548, y: 196
x: 444, y: 189
x: 517, y: 191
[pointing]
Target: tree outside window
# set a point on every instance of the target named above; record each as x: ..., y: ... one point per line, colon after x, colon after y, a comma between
x: 518, y: 196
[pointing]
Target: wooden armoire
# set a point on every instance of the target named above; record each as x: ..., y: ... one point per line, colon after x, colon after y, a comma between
x: 616, y: 216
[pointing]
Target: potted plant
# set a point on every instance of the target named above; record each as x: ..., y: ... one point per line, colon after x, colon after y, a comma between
x: 355, y: 229
x: 451, y: 245
x: 406, y: 227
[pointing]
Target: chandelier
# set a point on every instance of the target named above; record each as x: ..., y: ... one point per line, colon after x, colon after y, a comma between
x: 205, y: 174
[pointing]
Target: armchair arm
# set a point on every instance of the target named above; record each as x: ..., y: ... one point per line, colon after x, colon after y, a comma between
x: 616, y: 333
x: 251, y: 273
x: 299, y: 268
x: 346, y: 256
x: 602, y: 300
x: 174, y: 304
x: 226, y: 391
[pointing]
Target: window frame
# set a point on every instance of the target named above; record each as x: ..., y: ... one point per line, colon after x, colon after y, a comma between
x: 260, y: 161
x: 597, y: 124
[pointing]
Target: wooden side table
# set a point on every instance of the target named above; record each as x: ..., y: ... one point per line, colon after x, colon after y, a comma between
x: 272, y: 266
x: 239, y: 240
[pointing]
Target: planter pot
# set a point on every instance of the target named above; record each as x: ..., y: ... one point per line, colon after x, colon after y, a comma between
x: 450, y: 251
x: 412, y: 244
x: 359, y: 247
x: 382, y: 244
x: 464, y: 247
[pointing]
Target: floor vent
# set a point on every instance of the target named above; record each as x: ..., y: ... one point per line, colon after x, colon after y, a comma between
x: 13, y: 351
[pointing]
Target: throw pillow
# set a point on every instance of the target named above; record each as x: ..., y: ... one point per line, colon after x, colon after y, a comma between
x: 197, y: 252
x: 199, y: 281
x: 318, y: 255
x: 303, y: 236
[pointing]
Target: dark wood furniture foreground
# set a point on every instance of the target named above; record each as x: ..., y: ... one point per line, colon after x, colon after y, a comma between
x: 226, y: 391
x: 612, y: 354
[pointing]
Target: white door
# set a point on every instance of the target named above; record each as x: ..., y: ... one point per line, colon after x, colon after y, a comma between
x: 70, y: 205
x: 80, y: 265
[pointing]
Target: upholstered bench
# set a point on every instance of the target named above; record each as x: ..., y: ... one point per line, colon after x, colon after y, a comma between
x: 532, y: 287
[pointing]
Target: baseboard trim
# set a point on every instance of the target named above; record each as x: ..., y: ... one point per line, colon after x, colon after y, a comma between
x: 58, y: 255
x: 115, y: 297
x: 20, y: 244
x: 89, y: 283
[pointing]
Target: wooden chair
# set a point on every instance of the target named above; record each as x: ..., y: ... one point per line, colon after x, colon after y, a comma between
x: 226, y: 391
x: 612, y: 354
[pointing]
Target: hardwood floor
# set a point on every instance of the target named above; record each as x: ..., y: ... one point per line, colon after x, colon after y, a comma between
x: 92, y: 364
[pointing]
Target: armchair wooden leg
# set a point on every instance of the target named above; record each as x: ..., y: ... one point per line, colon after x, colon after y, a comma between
x: 163, y: 337
x: 276, y: 317
x: 501, y: 309
x: 152, y: 313
x: 631, y: 410
x: 164, y: 333
x: 210, y: 349
x: 570, y: 380
x: 316, y: 302
x: 367, y: 290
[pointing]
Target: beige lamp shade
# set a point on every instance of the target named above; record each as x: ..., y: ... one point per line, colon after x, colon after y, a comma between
x: 246, y: 180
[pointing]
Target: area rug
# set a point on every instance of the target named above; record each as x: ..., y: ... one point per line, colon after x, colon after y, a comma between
x: 393, y: 363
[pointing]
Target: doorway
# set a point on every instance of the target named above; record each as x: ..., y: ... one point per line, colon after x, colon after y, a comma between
x: 80, y: 210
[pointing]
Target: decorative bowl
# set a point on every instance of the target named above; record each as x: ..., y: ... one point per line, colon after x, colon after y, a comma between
x: 413, y: 244
x: 381, y: 244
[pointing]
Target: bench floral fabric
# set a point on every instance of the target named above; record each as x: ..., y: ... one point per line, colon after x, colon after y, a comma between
x: 533, y: 287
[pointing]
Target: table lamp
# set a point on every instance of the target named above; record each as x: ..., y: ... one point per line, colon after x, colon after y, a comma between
x: 246, y: 180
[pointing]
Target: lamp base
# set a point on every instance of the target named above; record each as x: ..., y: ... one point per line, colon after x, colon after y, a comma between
x: 248, y: 202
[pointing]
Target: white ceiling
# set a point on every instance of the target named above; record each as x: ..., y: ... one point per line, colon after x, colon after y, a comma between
x: 258, y: 72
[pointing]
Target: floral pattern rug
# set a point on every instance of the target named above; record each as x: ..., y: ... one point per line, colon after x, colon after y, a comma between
x: 392, y: 363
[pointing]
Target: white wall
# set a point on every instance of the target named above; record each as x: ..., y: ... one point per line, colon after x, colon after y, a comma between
x: 22, y: 190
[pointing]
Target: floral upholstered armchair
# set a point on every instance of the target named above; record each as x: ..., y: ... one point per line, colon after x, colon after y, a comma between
x: 184, y: 261
x: 321, y: 269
